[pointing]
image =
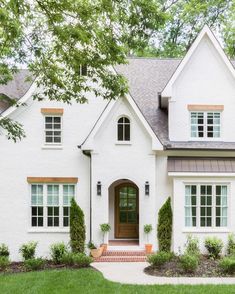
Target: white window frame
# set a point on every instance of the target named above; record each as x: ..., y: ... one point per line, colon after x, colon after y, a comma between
x: 117, y: 124
x: 60, y: 130
x: 213, y: 227
x: 45, y: 205
x: 205, y: 125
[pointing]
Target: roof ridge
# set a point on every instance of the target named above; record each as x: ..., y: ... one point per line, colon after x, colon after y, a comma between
x: 156, y: 58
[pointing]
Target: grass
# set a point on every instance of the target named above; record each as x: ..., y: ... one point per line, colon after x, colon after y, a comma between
x: 90, y: 281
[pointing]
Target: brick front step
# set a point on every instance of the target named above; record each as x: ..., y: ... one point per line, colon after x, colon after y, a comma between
x: 120, y: 259
x: 123, y: 253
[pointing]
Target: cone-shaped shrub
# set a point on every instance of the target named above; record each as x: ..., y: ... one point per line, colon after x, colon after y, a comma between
x: 164, y: 228
x: 77, y: 228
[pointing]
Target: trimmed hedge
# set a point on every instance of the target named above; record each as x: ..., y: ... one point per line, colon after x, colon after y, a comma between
x: 77, y: 228
x: 164, y: 228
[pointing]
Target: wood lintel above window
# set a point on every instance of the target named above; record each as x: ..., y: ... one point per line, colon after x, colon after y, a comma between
x: 204, y: 107
x: 52, y: 180
x: 52, y: 111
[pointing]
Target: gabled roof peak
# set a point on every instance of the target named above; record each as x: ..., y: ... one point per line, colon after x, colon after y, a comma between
x: 206, y: 31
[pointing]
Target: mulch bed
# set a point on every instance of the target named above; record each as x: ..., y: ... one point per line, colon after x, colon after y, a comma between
x: 18, y: 267
x: 206, y: 268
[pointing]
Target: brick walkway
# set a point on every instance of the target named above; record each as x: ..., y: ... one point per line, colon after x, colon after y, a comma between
x: 132, y: 273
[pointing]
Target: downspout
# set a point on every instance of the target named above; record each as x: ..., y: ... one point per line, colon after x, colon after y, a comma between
x: 88, y: 154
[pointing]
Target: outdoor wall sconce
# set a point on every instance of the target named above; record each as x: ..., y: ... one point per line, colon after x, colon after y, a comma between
x: 99, y: 188
x: 147, y: 188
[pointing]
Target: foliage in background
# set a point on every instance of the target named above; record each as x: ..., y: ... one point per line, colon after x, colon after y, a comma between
x: 28, y: 250
x: 54, y: 38
x: 77, y: 228
x: 185, y: 18
x: 164, y: 227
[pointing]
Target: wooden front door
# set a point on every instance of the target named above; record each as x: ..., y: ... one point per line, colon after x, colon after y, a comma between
x: 126, y: 211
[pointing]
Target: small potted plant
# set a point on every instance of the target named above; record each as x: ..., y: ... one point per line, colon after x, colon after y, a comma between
x: 147, y: 230
x: 105, y: 228
x: 95, y: 252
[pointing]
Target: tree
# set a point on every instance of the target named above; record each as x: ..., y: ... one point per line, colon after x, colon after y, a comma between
x: 164, y: 228
x: 185, y: 19
x: 77, y: 228
x: 55, y: 38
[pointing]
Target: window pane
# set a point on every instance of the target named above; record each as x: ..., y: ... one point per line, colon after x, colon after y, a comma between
x: 52, y: 129
x: 68, y: 194
x: 127, y: 132
x: 206, y: 205
x: 123, y: 129
x: 190, y: 205
x: 120, y: 133
x: 221, y: 206
x: 53, y: 194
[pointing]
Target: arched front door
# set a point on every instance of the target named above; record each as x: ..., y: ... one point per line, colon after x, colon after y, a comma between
x: 126, y: 211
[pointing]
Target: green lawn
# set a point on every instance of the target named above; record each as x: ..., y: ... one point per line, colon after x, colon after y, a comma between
x: 90, y: 281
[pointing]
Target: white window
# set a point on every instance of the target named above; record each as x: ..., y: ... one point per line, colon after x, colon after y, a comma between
x: 50, y: 204
x: 205, y: 124
x: 37, y: 206
x: 68, y: 194
x: 123, y: 129
x: 53, y: 129
x: 206, y: 205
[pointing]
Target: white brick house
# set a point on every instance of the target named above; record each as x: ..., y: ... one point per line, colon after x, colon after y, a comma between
x: 173, y: 134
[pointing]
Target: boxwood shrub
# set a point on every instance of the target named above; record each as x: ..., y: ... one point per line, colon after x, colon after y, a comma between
x: 160, y: 258
x: 227, y: 265
x: 189, y: 262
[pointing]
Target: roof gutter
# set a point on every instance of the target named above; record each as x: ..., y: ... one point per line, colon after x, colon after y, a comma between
x: 166, y: 147
x: 88, y: 154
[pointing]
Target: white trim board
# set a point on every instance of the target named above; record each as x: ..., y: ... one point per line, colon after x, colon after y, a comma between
x: 167, y: 91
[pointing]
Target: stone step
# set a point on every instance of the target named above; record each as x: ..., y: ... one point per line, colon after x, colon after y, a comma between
x: 120, y: 259
x: 124, y: 253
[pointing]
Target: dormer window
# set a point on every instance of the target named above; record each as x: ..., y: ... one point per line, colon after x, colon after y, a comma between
x: 205, y: 124
x: 123, y: 129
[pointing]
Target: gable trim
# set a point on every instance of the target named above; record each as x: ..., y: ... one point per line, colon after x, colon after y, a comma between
x: 167, y: 91
x: 21, y: 101
x: 88, y: 142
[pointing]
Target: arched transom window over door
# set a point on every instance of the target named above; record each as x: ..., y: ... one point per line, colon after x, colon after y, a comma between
x: 123, y: 129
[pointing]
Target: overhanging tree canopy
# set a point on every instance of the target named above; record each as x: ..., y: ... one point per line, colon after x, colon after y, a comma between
x: 55, y: 37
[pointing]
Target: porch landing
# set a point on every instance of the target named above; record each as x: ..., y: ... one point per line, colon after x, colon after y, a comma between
x: 123, y: 251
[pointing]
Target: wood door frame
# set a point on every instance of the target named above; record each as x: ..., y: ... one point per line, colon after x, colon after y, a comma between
x: 117, y: 188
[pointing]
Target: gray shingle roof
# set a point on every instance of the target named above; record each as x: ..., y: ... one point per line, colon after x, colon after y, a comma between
x: 16, y: 88
x: 146, y: 77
